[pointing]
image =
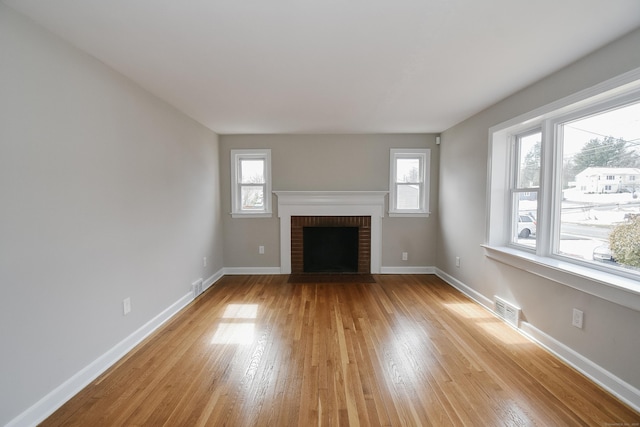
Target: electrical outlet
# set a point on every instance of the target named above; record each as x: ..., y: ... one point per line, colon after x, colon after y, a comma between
x: 261, y: 250
x: 578, y: 317
x: 204, y: 261
x: 405, y: 256
x: 458, y: 261
x: 126, y: 306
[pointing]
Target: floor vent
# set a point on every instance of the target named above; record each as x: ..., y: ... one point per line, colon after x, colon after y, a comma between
x: 507, y: 311
x: 196, y: 287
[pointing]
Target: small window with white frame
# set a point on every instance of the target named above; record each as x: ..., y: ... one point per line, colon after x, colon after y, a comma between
x: 408, y: 182
x: 251, y: 183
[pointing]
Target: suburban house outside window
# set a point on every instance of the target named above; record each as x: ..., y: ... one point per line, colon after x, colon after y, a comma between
x: 601, y: 141
x: 408, y: 182
x: 251, y: 183
x: 568, y: 174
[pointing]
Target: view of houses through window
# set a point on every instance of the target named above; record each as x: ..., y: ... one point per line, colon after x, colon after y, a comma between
x: 600, y: 186
x: 598, y: 216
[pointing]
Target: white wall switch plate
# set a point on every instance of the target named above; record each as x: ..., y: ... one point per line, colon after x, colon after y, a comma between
x: 126, y: 306
x: 578, y: 317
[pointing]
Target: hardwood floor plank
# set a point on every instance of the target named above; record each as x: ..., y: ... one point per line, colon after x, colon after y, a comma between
x: 403, y: 351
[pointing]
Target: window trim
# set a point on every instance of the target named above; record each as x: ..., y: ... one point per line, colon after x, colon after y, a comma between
x: 424, y: 156
x: 236, y: 157
x: 618, y: 289
x: 608, y: 284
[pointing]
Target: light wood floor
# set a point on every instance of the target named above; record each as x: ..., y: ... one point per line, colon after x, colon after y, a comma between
x: 407, y: 350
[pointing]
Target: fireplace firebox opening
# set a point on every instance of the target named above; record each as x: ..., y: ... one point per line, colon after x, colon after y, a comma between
x: 330, y: 252
x: 330, y: 249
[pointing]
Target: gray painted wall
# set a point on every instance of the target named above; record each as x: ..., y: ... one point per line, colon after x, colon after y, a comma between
x: 105, y: 193
x: 328, y: 162
x: 610, y: 336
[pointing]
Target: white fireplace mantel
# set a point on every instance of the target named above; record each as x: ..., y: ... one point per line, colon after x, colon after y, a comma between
x: 330, y: 203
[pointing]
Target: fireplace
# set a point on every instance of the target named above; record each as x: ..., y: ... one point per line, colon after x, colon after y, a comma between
x: 331, y: 209
x: 330, y: 244
x: 330, y: 249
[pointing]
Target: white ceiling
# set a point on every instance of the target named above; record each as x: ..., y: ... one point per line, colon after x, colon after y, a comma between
x: 334, y: 66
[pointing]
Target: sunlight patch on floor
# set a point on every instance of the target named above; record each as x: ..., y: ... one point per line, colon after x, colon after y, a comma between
x: 234, y: 333
x: 504, y: 333
x: 469, y: 310
x: 241, y: 311
x: 488, y: 322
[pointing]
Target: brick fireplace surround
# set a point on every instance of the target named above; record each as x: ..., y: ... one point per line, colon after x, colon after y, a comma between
x: 298, y: 223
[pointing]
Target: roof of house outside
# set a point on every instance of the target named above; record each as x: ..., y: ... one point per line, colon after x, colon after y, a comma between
x: 608, y: 171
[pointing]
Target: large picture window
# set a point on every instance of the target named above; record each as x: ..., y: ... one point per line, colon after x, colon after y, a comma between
x: 251, y: 183
x: 408, y: 182
x: 564, y: 196
x: 600, y: 164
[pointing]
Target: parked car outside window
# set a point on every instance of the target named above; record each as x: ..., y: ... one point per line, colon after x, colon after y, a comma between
x: 603, y: 253
x: 526, y: 226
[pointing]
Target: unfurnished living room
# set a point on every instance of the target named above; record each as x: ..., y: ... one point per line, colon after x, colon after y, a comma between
x: 296, y: 213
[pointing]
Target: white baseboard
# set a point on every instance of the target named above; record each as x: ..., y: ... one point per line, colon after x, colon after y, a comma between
x: 208, y: 282
x: 251, y: 270
x: 470, y: 292
x: 60, y: 395
x: 605, y: 379
x: 276, y: 270
x: 407, y: 270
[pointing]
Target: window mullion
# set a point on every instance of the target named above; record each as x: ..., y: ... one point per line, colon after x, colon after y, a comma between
x: 548, y: 182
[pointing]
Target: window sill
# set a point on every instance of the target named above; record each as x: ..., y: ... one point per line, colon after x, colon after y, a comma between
x: 611, y: 287
x: 251, y: 215
x: 409, y: 214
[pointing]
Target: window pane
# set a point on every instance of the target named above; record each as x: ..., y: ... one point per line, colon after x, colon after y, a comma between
x: 529, y: 149
x: 600, y: 179
x: 408, y: 196
x: 252, y: 197
x: 525, y: 213
x: 408, y: 170
x: 251, y: 186
x: 252, y: 171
